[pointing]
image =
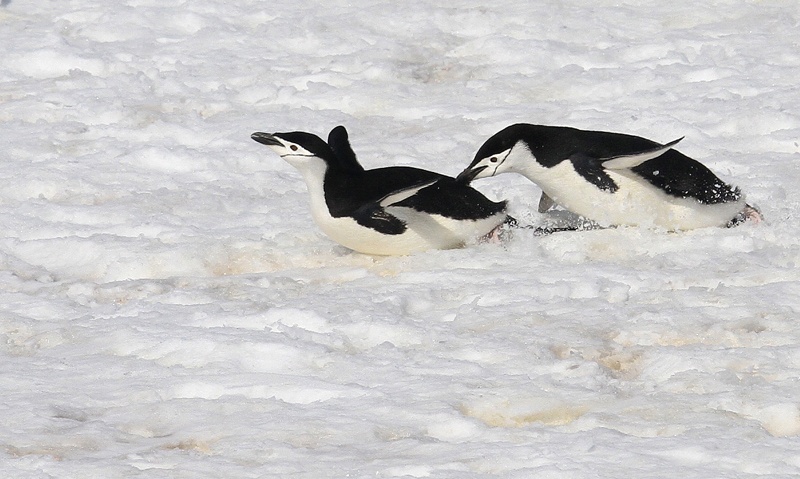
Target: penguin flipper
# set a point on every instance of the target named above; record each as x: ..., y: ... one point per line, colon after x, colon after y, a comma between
x: 622, y: 162
x: 591, y: 169
x: 545, y: 203
x: 339, y: 142
x: 373, y: 216
x: 404, y: 193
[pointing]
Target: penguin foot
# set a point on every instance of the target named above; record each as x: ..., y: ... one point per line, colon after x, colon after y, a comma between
x: 502, y: 232
x: 560, y: 221
x: 496, y: 236
x: 749, y: 213
x: 548, y: 230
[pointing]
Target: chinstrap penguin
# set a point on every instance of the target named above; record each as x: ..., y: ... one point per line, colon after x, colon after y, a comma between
x: 394, y: 210
x: 613, y: 179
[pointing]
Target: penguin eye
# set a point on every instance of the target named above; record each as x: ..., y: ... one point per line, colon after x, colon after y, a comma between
x: 293, y: 147
x: 493, y: 159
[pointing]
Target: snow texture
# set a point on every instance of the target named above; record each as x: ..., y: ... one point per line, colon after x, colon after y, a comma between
x: 168, y: 308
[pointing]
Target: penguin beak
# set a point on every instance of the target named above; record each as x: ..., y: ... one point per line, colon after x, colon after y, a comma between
x: 266, y: 139
x: 468, y: 175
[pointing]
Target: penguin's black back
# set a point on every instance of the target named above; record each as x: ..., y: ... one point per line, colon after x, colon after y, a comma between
x: 346, y: 192
x: 348, y: 187
x: 553, y: 144
x: 453, y: 199
x: 683, y: 177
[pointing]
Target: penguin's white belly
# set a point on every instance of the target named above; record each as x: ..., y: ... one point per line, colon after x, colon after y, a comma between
x: 635, y: 203
x: 423, y: 232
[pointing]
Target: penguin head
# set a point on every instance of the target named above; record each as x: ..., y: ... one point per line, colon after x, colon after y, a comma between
x: 497, y: 155
x: 300, y: 149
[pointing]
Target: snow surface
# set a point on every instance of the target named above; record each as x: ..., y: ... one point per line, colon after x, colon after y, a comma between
x: 170, y: 310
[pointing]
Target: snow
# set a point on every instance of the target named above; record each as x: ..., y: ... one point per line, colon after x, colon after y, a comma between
x: 168, y: 308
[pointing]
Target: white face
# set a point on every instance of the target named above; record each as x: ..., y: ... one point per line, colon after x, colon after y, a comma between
x: 494, y: 164
x: 293, y: 153
x: 311, y: 166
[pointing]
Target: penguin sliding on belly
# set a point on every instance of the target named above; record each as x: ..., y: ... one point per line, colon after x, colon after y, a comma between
x: 613, y: 179
x: 395, y: 210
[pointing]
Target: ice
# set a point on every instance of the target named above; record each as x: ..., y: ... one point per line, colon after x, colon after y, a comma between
x: 169, y: 309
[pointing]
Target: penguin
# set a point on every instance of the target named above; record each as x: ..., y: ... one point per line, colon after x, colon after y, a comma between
x: 613, y: 179
x: 396, y: 210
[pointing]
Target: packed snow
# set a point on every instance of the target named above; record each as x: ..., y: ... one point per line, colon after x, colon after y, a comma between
x: 169, y: 309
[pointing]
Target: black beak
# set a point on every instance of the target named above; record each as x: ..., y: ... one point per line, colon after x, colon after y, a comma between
x: 468, y: 175
x: 266, y: 139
